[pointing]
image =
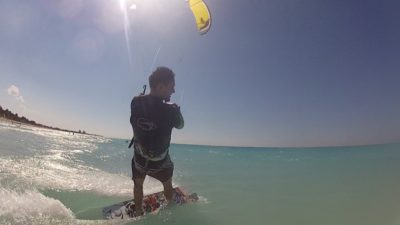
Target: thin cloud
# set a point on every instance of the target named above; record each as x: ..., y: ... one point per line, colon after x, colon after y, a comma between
x: 14, y: 91
x: 20, y: 99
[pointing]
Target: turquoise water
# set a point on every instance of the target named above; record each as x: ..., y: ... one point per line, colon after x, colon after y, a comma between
x: 51, y: 177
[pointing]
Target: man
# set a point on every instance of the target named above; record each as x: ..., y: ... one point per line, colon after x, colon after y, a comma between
x: 152, y: 119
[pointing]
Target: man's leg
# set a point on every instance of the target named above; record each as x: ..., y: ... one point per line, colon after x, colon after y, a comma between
x: 168, y: 189
x: 138, y: 177
x: 164, y: 175
x: 138, y: 195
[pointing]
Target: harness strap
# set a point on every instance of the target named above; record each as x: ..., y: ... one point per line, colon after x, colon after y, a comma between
x: 131, y: 143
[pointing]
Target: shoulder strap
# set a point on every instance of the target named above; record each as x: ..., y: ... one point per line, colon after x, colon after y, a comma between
x: 132, y: 141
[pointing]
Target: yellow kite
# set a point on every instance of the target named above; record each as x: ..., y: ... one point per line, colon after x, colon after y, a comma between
x: 201, y: 14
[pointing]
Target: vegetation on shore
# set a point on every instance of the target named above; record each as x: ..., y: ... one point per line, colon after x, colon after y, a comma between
x: 7, y: 114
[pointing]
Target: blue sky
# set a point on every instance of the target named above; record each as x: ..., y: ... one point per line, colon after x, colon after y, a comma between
x: 268, y: 73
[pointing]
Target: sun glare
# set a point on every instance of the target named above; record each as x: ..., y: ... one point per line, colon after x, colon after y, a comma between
x: 122, y: 5
x: 126, y: 4
x: 132, y: 7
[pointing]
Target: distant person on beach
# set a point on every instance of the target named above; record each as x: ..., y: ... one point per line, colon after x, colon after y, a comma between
x: 153, y: 117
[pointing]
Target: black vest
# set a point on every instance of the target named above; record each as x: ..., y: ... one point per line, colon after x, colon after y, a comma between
x: 152, y: 122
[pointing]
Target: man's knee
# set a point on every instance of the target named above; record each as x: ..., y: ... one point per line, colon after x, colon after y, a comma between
x: 138, y: 183
x: 168, y: 183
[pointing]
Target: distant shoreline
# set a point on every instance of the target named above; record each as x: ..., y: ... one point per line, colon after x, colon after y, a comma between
x: 11, y: 121
x: 10, y: 117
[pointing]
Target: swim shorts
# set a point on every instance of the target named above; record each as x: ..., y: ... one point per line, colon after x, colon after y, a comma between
x: 161, y: 170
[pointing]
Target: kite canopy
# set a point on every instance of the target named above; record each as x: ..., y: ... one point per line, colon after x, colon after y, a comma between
x: 201, y: 14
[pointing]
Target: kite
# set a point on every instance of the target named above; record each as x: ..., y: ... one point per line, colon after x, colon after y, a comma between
x: 201, y: 14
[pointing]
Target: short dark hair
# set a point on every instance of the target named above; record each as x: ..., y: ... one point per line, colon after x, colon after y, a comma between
x: 161, y: 75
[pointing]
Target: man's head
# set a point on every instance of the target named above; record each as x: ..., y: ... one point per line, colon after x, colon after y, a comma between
x: 162, y: 83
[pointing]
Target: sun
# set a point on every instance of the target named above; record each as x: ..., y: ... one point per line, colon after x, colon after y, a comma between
x: 127, y: 4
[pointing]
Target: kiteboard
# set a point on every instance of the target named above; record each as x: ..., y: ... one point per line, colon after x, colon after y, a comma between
x: 152, y: 203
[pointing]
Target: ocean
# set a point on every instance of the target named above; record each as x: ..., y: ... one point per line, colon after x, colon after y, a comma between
x: 54, y: 177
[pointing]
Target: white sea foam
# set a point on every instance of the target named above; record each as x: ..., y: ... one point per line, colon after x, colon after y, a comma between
x: 54, y: 162
x: 57, y: 167
x: 52, y: 174
x: 22, y: 206
x: 47, y: 172
x: 32, y: 207
x: 203, y: 200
